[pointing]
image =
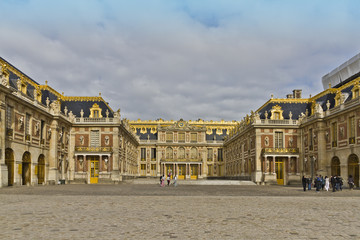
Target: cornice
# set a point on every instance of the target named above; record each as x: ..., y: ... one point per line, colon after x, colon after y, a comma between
x: 21, y: 75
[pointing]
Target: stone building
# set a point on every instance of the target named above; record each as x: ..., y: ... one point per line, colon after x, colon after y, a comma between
x: 189, y: 149
x: 47, y: 137
x: 288, y: 138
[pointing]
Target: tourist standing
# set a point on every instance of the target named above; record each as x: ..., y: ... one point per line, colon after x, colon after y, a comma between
x: 309, y: 180
x: 304, y: 182
x: 327, y: 183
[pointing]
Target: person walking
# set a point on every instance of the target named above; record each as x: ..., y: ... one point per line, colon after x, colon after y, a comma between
x: 327, y: 183
x: 163, y: 181
x: 168, y: 180
x: 351, y: 182
x: 333, y: 183
x: 304, y: 182
x: 175, y: 180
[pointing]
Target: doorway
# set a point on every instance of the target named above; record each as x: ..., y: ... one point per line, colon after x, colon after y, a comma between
x: 279, y: 170
x: 353, y: 168
x: 41, y: 169
x: 9, y: 161
x: 26, y: 168
x: 94, y: 169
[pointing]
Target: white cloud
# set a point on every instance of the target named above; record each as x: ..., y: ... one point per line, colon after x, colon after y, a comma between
x: 178, y: 60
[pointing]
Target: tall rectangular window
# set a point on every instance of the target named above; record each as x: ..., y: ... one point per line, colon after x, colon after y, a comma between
x: 94, y: 138
x: 193, y: 137
x: 143, y: 154
x: 334, y: 134
x: 181, y: 137
x: 42, y: 129
x: 311, y: 139
x: 352, y: 126
x: 153, y: 154
x: 209, y: 154
x: 169, y: 137
x: 220, y: 154
x: 27, y: 124
x: 279, y: 140
x: 9, y: 111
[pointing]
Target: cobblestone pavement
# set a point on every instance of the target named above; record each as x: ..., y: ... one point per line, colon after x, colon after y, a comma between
x: 139, y: 211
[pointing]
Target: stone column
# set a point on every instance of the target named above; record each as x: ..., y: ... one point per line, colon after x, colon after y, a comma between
x: 273, y: 164
x: 266, y: 165
x: 3, y: 166
x: 321, y: 143
x: 115, y: 163
x: 53, y: 176
x: 297, y: 166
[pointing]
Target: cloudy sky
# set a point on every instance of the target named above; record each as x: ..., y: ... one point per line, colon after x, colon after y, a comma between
x: 175, y: 59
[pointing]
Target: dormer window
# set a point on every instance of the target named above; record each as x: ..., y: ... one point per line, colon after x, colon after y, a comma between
x: 356, y: 90
x: 276, y: 113
x: 95, y: 111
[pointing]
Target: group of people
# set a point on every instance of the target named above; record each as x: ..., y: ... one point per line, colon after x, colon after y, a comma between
x: 321, y: 183
x: 168, y: 178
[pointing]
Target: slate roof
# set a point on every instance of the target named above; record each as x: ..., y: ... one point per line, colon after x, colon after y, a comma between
x: 210, y: 137
x: 76, y: 106
x: 144, y: 136
x: 295, y: 108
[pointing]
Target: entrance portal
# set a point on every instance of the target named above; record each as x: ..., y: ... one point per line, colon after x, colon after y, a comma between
x: 193, y: 172
x: 9, y: 161
x: 279, y: 169
x: 335, y: 166
x: 26, y: 168
x: 182, y: 171
x: 94, y: 169
x: 41, y: 169
x: 353, y: 168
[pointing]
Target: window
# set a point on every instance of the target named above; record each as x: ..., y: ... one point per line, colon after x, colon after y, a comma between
x: 193, y: 137
x: 96, y: 114
x: 352, y: 130
x: 276, y: 116
x: 278, y: 140
x: 181, y: 153
x: 209, y: 154
x: 193, y: 153
x: 153, y: 154
x: 9, y: 111
x: 143, y: 154
x: 169, y: 153
x: 169, y: 137
x: 42, y: 129
x: 27, y: 124
x: 220, y: 154
x: 181, y: 137
x: 311, y: 139
x: 334, y: 134
x: 94, y: 138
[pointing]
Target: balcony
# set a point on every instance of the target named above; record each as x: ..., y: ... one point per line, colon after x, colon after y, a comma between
x: 279, y: 151
x: 94, y: 120
x: 93, y: 149
x: 181, y: 160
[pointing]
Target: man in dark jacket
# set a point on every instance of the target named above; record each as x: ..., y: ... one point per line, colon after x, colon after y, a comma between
x: 333, y: 182
x: 304, y: 180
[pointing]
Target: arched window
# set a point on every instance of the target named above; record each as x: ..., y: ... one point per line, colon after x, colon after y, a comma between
x: 169, y: 153
x: 193, y: 153
x: 181, y: 154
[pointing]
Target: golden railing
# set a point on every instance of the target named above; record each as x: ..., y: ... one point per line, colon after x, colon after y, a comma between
x: 181, y: 160
x: 93, y: 149
x: 280, y: 150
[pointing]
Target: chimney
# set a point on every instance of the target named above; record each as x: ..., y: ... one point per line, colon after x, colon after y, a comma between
x: 289, y: 96
x: 297, y: 93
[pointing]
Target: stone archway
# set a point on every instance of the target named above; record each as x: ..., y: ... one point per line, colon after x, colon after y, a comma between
x: 26, y: 168
x: 353, y: 168
x: 41, y: 169
x: 335, y: 167
x: 9, y: 161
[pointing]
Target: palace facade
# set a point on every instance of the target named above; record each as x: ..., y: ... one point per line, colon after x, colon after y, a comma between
x: 48, y: 138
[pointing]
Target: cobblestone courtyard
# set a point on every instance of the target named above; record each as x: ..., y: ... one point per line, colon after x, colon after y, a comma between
x: 137, y: 211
